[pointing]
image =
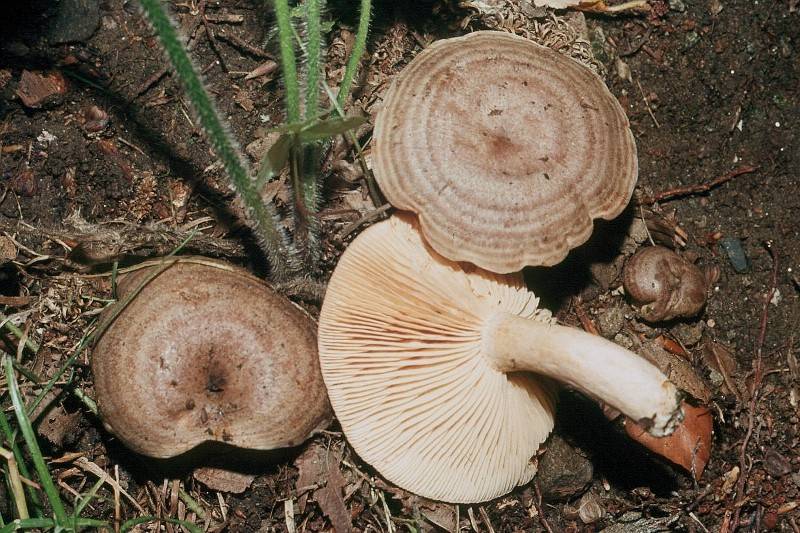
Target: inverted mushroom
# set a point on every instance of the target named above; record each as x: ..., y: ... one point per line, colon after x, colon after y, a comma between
x: 430, y: 368
x: 207, y: 352
x: 507, y: 150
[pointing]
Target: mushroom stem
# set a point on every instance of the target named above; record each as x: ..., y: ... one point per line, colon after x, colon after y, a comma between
x: 588, y: 363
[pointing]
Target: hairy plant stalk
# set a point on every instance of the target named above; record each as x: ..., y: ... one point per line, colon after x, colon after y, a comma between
x: 358, y: 51
x: 313, y: 14
x: 307, y: 200
x: 306, y: 158
x: 263, y: 218
x: 288, y: 60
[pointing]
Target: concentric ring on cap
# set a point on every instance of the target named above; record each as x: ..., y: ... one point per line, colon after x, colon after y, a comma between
x: 505, y: 149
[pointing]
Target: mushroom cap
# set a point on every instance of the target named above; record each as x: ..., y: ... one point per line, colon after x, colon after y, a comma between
x: 664, y: 284
x: 507, y: 150
x: 206, y: 351
x: 401, y: 348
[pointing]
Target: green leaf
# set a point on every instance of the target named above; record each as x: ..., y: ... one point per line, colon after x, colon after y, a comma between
x: 274, y: 160
x: 329, y: 128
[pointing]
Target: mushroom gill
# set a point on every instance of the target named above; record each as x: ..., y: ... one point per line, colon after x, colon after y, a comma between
x: 438, y: 372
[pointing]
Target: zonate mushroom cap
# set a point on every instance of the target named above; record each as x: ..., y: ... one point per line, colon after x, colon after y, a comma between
x: 507, y: 150
x: 427, y: 366
x: 207, y: 352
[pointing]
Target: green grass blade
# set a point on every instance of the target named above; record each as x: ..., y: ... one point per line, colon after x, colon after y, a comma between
x: 358, y: 50
x: 87, y: 498
x: 21, y: 465
x: 33, y: 446
x: 28, y: 523
x: 67, y: 364
x: 288, y: 60
x: 81, y: 523
x: 192, y: 504
x: 262, y: 216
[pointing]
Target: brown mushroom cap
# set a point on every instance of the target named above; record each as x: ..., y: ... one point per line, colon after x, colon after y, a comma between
x: 430, y: 368
x: 207, y: 351
x: 664, y: 284
x: 507, y: 150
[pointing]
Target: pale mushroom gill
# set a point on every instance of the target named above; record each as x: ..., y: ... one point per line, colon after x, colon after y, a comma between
x: 430, y: 413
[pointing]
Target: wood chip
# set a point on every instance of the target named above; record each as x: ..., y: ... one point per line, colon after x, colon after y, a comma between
x: 38, y: 89
x: 8, y: 250
x: 268, y: 67
x: 223, y: 480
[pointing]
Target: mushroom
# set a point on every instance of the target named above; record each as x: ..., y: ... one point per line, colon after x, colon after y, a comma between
x: 505, y: 149
x: 664, y: 284
x: 207, y: 352
x: 438, y: 372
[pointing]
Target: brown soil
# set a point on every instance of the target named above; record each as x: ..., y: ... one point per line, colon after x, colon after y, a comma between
x: 712, y: 88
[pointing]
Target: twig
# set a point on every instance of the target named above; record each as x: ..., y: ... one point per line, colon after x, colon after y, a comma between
x: 647, y: 105
x: 368, y: 217
x: 212, y: 40
x: 485, y: 518
x: 638, y: 46
x: 537, y: 502
x: 678, y: 192
x: 149, y: 82
x: 243, y: 45
x: 225, y: 18
x: 758, y: 374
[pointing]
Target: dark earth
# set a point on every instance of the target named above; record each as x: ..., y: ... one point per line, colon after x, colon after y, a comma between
x: 109, y: 165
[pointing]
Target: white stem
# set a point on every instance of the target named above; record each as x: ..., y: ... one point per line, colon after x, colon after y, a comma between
x: 588, y: 363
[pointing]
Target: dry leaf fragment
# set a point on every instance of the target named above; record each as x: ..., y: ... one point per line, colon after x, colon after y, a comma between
x: 689, y: 446
x: 598, y: 6
x: 720, y: 359
x: 223, y: 480
x: 319, y: 467
x: 331, y: 501
x: 729, y: 479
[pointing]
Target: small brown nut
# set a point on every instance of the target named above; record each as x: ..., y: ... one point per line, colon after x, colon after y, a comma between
x: 664, y: 284
x: 94, y: 119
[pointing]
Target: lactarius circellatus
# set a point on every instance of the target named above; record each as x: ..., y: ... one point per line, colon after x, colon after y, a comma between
x: 664, y: 284
x: 207, y: 352
x: 505, y: 149
x: 434, y: 369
